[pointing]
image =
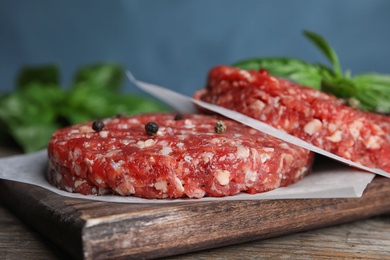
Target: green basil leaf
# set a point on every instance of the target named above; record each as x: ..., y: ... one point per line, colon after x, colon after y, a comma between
x: 377, y: 80
x: 88, y: 103
x: 32, y: 108
x: 33, y: 137
x: 339, y: 87
x: 293, y: 69
x: 373, y: 90
x: 105, y: 75
x: 326, y: 49
x: 45, y: 74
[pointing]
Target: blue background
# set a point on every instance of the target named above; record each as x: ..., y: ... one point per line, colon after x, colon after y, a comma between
x: 174, y: 43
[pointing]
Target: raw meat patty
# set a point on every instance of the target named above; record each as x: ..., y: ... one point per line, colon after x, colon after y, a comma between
x: 307, y: 113
x: 184, y: 158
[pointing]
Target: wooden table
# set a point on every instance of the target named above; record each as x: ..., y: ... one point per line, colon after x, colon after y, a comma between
x: 364, y: 239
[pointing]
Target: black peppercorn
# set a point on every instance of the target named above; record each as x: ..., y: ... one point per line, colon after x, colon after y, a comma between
x: 179, y: 117
x: 97, y: 125
x: 220, y: 127
x: 151, y: 128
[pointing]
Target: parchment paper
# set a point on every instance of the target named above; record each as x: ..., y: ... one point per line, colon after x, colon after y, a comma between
x: 328, y: 180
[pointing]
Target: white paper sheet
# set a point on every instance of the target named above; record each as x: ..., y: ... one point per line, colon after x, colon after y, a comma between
x: 329, y: 180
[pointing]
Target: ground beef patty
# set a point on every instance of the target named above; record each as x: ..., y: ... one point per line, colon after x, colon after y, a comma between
x: 304, y: 112
x: 186, y: 157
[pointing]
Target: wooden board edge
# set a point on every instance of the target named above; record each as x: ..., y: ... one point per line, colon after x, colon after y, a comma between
x: 237, y: 222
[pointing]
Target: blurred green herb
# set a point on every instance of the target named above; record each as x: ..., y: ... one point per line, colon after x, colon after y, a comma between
x: 369, y: 92
x: 39, y: 105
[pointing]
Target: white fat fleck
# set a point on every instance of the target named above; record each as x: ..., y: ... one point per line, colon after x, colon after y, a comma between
x: 187, y: 158
x: 378, y: 130
x: 285, y: 160
x: 286, y: 124
x: 116, y: 165
x: 264, y: 157
x: 112, y: 153
x: 188, y: 123
x: 223, y: 177
x: 133, y: 121
x: 313, y: 127
x: 301, y: 172
x: 89, y: 135
x: 242, y: 152
x: 88, y: 161
x: 74, y: 131
x: 275, y: 80
x: 335, y: 137
x: 161, y: 186
x: 255, y: 156
x: 215, y: 141
x: 166, y: 150
x: 58, y: 178
x: 355, y: 127
x: 85, y: 129
x: 77, y: 169
x: 268, y: 149
x: 163, y: 143
x: 141, y: 144
x: 126, y: 187
x: 237, y: 135
x: 68, y: 189
x: 284, y: 145
x: 126, y: 141
x: 103, y: 134
x: 206, y: 157
x: 149, y: 142
x: 98, y: 180
x: 73, y: 155
x: 198, y: 193
x: 250, y: 177
x: 122, y: 126
x: 78, y: 183
x: 180, y: 144
x: 277, y: 104
x: 246, y: 74
x: 332, y: 127
x: 258, y: 105
x: 179, y: 185
x: 373, y: 142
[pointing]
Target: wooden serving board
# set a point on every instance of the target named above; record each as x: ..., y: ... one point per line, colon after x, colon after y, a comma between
x: 100, y: 230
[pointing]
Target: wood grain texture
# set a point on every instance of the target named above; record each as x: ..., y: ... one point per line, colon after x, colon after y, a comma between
x: 365, y: 239
x: 99, y: 230
x: 19, y: 241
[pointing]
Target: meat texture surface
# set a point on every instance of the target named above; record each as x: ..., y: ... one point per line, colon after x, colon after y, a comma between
x: 304, y: 112
x: 187, y: 157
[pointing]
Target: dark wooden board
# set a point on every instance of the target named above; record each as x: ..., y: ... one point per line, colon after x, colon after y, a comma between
x: 99, y: 230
